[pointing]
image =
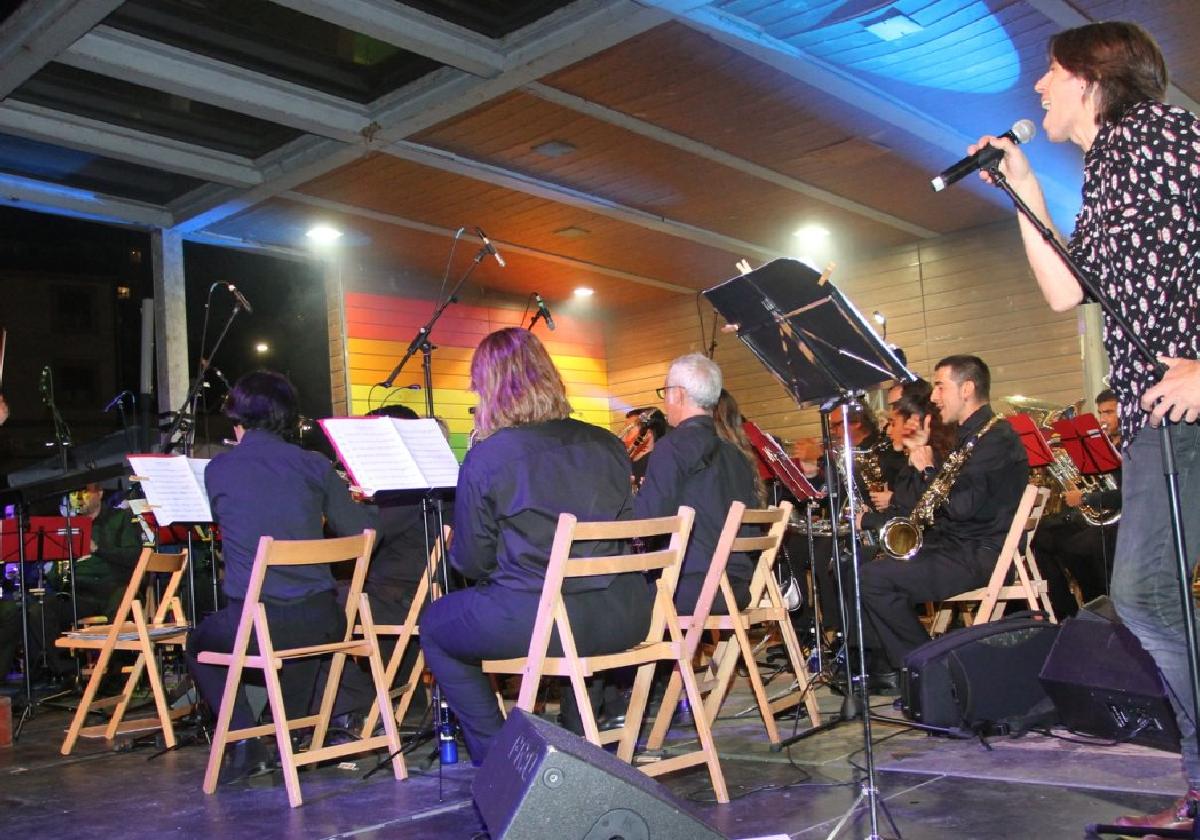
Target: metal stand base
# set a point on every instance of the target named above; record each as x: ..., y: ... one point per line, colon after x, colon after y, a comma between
x: 866, y: 796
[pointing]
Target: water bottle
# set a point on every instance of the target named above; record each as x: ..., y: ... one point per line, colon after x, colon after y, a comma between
x: 447, y: 743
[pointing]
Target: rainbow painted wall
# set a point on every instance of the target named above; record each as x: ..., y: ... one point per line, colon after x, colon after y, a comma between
x: 380, y: 327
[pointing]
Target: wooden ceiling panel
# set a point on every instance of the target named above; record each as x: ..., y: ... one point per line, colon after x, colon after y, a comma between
x: 615, y: 165
x: 419, y: 193
x: 683, y: 80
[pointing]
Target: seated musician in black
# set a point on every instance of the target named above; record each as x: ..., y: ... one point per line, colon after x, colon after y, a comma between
x: 531, y: 462
x: 693, y: 466
x: 960, y: 549
x: 266, y: 486
x: 1067, y: 543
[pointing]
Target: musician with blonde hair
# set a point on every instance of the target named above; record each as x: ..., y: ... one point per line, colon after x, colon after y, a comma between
x: 530, y: 463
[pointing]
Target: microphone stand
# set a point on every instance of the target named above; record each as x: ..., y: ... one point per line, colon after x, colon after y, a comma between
x: 183, y: 425
x: 1170, y: 475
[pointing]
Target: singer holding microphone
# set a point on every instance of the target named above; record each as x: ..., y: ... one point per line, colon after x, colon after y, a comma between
x: 1138, y: 235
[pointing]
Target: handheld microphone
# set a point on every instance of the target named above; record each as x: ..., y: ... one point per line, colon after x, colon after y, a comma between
x: 117, y: 400
x: 544, y: 311
x: 240, y: 298
x: 1021, y: 132
x: 490, y: 248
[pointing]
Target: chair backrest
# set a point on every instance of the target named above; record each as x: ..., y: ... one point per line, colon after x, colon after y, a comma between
x: 765, y: 545
x: 150, y: 561
x: 676, y: 529
x: 273, y: 552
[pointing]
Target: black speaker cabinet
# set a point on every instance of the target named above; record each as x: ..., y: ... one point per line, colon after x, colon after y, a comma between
x: 540, y: 781
x: 1104, y: 683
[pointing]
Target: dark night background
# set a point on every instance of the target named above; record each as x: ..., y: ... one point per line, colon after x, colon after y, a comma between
x: 71, y: 293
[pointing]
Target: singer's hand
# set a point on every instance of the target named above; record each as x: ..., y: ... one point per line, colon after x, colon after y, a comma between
x: 1015, y: 165
x: 1177, y: 396
x: 3, y: 410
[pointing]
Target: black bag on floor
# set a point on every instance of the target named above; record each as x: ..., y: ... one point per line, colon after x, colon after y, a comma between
x: 982, y: 678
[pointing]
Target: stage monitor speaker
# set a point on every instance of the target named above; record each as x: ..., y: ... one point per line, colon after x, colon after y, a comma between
x: 541, y: 781
x: 1104, y: 683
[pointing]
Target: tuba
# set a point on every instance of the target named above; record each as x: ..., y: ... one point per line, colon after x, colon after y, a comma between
x: 902, y: 536
x: 1068, y: 476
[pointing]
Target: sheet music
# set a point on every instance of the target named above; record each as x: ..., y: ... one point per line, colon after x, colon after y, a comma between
x: 383, y: 453
x: 174, y: 486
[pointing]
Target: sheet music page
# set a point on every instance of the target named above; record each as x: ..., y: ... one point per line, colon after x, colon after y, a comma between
x: 374, y: 453
x: 172, y: 487
x: 430, y: 449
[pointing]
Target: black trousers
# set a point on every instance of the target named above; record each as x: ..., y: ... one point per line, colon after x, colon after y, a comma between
x: 1064, y: 543
x: 892, y: 589
x: 314, y: 620
x: 462, y: 628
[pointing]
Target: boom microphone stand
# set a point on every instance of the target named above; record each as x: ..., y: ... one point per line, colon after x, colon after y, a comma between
x: 1170, y: 475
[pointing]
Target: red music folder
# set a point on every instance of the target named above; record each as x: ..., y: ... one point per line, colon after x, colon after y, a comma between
x: 1036, y: 447
x: 1087, y: 444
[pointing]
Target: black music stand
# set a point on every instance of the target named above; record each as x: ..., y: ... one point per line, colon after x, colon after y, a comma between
x: 824, y: 353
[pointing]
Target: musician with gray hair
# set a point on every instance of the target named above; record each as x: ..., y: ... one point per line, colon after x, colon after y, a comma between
x: 972, y: 498
x: 692, y: 466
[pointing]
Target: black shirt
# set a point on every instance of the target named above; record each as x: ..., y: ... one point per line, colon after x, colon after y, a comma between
x: 514, y: 484
x: 401, y: 555
x: 692, y: 466
x: 267, y: 487
x: 984, y: 497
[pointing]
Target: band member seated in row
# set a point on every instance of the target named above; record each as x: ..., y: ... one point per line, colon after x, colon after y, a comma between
x: 1068, y: 543
x: 266, y: 486
x: 729, y: 422
x: 530, y: 463
x: 693, y: 466
x: 970, y: 523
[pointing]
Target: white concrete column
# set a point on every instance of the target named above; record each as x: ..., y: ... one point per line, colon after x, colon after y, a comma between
x: 1095, y: 359
x: 170, y: 318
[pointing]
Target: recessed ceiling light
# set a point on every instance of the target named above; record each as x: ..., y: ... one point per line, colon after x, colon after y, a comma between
x: 894, y: 28
x: 572, y: 232
x: 554, y: 148
x: 323, y: 234
x: 262, y: 347
x: 812, y: 232
x: 584, y: 291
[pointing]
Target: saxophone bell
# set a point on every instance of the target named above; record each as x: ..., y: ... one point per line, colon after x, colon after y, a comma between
x: 900, y: 538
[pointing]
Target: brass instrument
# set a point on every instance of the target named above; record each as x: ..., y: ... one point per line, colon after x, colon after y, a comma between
x: 901, y: 536
x: 1068, y: 476
x: 637, y: 436
x: 867, y: 463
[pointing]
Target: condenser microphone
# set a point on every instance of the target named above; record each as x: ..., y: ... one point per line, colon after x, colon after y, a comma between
x: 239, y: 297
x: 544, y: 311
x: 490, y: 248
x: 117, y: 400
x: 1021, y: 132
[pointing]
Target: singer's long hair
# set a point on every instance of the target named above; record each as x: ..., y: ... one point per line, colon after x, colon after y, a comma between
x: 516, y: 381
x: 1121, y: 59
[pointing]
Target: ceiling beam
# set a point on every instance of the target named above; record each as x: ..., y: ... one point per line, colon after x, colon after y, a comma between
x: 489, y: 174
x: 569, y: 35
x: 38, y: 196
x: 1067, y: 16
x: 296, y: 163
x: 123, y: 55
x: 410, y: 30
x: 412, y: 224
x: 112, y: 141
x: 703, y: 150
x: 33, y: 35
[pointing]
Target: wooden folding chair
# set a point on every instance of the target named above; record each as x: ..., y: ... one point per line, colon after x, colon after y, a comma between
x: 766, y: 610
x: 664, y: 641
x: 272, y: 552
x: 407, y: 634
x: 1016, y: 559
x: 130, y: 630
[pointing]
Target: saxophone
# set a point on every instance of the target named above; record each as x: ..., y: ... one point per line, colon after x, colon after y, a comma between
x: 866, y: 461
x: 1064, y: 471
x: 901, y: 536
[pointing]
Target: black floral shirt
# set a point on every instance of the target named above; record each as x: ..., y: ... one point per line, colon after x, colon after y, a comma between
x: 1138, y: 236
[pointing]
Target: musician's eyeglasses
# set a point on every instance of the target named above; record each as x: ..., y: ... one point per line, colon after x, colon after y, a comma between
x: 662, y: 392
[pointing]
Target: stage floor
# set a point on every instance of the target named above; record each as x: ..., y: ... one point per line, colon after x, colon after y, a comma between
x: 933, y: 787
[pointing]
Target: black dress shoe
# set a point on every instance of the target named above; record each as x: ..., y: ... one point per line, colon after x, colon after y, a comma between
x: 245, y: 760
x: 884, y: 683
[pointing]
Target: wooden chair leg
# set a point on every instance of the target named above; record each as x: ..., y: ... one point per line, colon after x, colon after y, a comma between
x: 220, y: 739
x: 791, y: 644
x: 703, y: 731
x: 636, y: 711
x: 756, y: 684
x: 666, y: 711
x: 85, y: 704
x: 283, y: 738
x: 383, y: 696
